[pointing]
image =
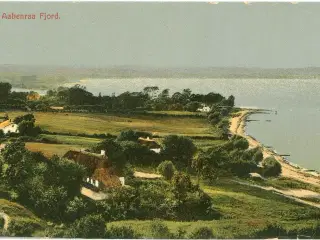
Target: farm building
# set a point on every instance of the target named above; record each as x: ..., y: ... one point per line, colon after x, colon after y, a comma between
x: 100, y: 172
x: 9, y: 127
x: 150, y: 143
x: 56, y: 108
x: 33, y: 96
x: 2, y: 146
x: 204, y: 108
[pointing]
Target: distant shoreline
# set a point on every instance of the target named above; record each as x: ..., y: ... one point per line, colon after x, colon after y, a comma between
x: 289, y: 169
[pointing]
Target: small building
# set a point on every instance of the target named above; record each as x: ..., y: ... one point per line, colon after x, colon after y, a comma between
x: 150, y: 143
x: 204, y: 108
x: 33, y: 96
x: 56, y: 108
x: 101, y: 175
x: 2, y: 146
x: 9, y: 127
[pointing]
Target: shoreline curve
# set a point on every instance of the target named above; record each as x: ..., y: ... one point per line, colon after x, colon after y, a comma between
x: 290, y: 170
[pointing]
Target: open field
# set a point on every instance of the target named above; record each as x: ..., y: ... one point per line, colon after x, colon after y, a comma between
x: 51, y: 149
x: 73, y: 140
x: 245, y: 210
x: 204, y: 143
x: 182, y: 113
x: 102, y: 123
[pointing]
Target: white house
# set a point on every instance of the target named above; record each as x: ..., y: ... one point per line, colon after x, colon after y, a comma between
x: 204, y: 108
x: 9, y: 127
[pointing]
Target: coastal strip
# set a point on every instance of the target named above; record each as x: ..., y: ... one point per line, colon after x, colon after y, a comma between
x: 290, y: 170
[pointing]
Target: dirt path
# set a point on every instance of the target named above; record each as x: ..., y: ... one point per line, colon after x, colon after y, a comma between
x: 6, y: 219
x: 146, y: 175
x: 292, y: 194
x: 237, y: 126
x: 97, y: 196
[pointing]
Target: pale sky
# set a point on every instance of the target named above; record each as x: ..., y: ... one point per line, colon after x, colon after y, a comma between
x: 164, y: 35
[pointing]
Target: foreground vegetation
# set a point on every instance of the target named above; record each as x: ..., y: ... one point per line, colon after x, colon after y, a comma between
x: 199, y: 196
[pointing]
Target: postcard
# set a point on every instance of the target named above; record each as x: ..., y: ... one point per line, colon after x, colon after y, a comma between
x: 160, y: 120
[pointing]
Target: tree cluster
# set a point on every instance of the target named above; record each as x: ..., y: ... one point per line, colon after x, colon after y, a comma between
x: 45, y: 186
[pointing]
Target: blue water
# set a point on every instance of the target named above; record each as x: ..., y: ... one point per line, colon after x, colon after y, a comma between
x: 294, y: 130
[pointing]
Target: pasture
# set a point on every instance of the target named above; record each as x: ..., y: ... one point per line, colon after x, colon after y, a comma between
x: 91, y: 123
x: 246, y: 213
x: 51, y: 149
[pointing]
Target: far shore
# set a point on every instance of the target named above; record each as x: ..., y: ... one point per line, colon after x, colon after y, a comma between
x: 290, y: 170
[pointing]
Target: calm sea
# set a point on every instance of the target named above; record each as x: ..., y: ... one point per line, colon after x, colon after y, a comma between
x: 294, y: 130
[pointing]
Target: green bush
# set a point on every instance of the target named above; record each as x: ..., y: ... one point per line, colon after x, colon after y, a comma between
x: 166, y: 169
x: 159, y: 230
x: 91, y: 226
x: 271, y: 167
x: 22, y: 228
x: 202, y: 233
x: 1, y: 222
x: 122, y: 232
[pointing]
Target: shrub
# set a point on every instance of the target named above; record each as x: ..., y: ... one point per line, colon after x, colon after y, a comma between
x: 1, y: 222
x: 179, y: 149
x: 202, y: 233
x: 122, y: 232
x: 22, y: 228
x: 166, y: 169
x: 271, y: 167
x: 91, y: 226
x: 159, y: 230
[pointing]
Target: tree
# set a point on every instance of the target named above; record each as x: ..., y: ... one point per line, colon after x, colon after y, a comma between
x: 27, y: 128
x: 178, y: 148
x: 91, y: 226
x: 5, y: 89
x: 271, y: 167
x: 181, y: 185
x: 76, y: 209
x: 1, y: 134
x: 192, y: 106
x: 151, y: 91
x: 240, y: 143
x: 114, y: 152
x: 166, y: 169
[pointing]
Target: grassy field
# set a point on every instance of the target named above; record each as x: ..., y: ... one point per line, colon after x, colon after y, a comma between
x: 179, y: 113
x: 246, y: 212
x: 204, y: 143
x: 288, y: 183
x: 73, y: 140
x: 102, y: 123
x: 20, y: 216
x: 51, y: 149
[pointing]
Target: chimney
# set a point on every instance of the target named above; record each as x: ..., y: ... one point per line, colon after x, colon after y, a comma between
x: 103, y: 153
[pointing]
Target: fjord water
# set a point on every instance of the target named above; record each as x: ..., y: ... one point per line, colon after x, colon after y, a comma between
x: 294, y: 130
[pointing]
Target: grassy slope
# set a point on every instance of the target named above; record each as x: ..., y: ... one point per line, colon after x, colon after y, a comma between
x: 73, y: 140
x: 246, y: 211
x: 101, y: 123
x: 19, y: 214
x: 51, y: 149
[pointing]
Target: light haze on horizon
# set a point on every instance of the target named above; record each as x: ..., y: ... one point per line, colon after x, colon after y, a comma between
x: 166, y: 35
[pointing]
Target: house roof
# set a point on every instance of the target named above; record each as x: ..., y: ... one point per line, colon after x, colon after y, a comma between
x: 5, y: 124
x: 56, y: 108
x: 90, y: 160
x: 107, y: 177
x: 149, y: 142
x: 2, y: 146
x: 146, y: 139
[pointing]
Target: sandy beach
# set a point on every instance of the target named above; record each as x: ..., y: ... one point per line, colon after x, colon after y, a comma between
x: 237, y: 126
